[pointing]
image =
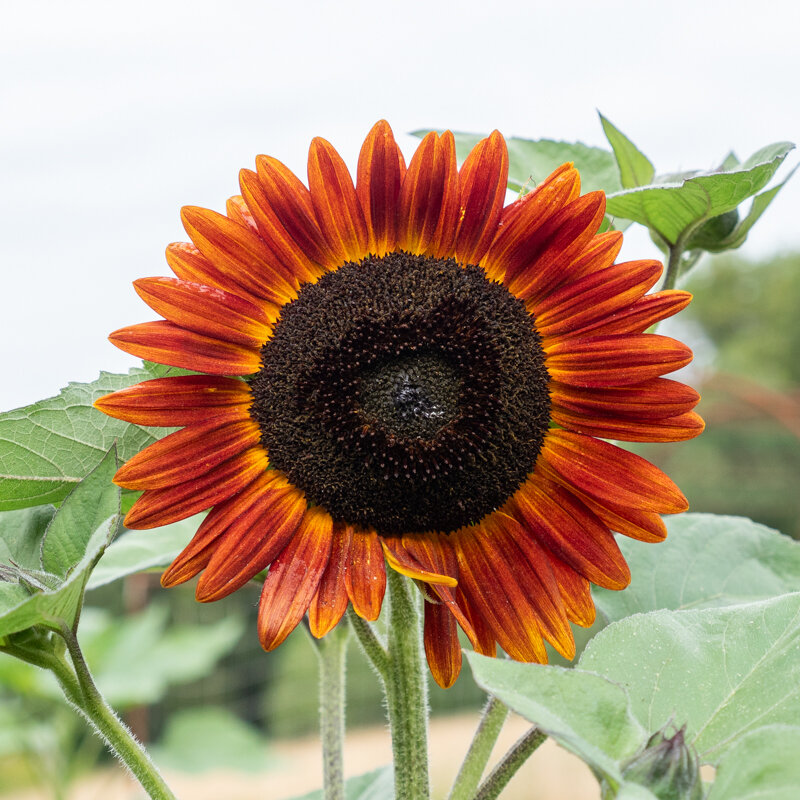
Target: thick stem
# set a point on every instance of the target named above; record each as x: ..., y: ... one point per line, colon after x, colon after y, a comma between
x: 673, y: 265
x: 500, y: 776
x: 332, y: 652
x: 494, y: 715
x: 407, y: 694
x: 121, y: 741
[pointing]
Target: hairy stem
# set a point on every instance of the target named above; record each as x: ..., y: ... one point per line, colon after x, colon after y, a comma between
x: 500, y: 776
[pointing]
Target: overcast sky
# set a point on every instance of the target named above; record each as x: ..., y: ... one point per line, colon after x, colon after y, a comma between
x: 115, y: 115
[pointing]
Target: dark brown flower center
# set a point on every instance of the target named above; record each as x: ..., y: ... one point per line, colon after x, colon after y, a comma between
x: 405, y: 393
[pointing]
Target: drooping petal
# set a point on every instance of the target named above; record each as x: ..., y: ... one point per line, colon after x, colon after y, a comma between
x: 381, y: 169
x: 246, y: 549
x: 575, y: 592
x: 166, y: 343
x: 608, y: 473
x: 336, y: 203
x: 235, y: 250
x: 645, y: 526
x: 187, y: 454
x: 597, y: 295
x: 614, y: 360
x: 293, y: 579
x: 207, y: 310
x: 484, y: 641
x: 402, y: 561
x: 442, y: 648
x: 179, y: 400
x: 483, y: 178
x: 567, y: 528
x: 365, y: 576
x: 161, y: 506
x: 429, y: 198
x: 330, y: 601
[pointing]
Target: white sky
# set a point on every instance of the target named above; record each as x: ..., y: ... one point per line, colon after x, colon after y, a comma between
x: 115, y: 115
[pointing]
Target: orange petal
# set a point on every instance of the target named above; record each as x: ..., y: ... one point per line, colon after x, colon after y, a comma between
x: 206, y: 310
x: 162, y: 506
x: 236, y: 209
x: 365, y: 576
x: 187, y: 454
x: 336, y: 203
x: 598, y: 295
x: 236, y: 251
x: 441, y: 644
x: 180, y: 400
x: 484, y: 641
x: 600, y: 253
x: 401, y: 560
x: 645, y: 526
x: 669, y: 429
x: 294, y: 577
x: 429, y: 198
x: 575, y: 592
x: 330, y: 601
x: 651, y: 309
x: 483, y: 178
x: 381, y: 169
x: 166, y: 343
x: 250, y: 546
x: 565, y: 527
x: 614, y: 360
x: 608, y: 473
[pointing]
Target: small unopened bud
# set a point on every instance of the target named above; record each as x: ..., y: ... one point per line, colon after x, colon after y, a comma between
x: 668, y: 767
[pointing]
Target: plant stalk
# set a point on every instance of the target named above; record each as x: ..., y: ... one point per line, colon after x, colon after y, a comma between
x: 507, y: 768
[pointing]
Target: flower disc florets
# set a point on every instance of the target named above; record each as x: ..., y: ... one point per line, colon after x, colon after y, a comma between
x: 404, y: 393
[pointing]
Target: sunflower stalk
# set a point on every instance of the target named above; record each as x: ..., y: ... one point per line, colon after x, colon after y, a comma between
x: 507, y: 768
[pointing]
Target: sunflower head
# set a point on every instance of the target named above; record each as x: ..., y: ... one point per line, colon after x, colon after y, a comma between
x: 404, y: 370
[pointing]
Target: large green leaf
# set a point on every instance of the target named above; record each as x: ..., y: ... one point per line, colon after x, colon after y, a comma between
x: 672, y: 210
x: 375, y: 785
x: 58, y: 599
x: 762, y: 766
x: 21, y: 534
x: 635, y: 168
x: 48, y: 447
x: 723, y: 671
x: 706, y: 560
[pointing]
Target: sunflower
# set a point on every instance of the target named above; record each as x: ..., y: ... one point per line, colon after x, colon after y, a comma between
x: 406, y: 371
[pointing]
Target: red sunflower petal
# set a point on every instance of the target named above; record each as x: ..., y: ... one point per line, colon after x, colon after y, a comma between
x: 482, y: 179
x: 293, y: 579
x: 595, y: 296
x: 236, y: 209
x: 645, y: 526
x: 206, y: 310
x: 484, y: 641
x: 600, y: 253
x: 575, y: 592
x: 669, y: 429
x: 639, y: 316
x: 161, y: 506
x: 381, y: 169
x: 609, y: 474
x: 429, y: 198
x: 286, y: 201
x: 402, y: 561
x: 336, y: 203
x: 246, y: 549
x: 365, y: 576
x: 330, y: 601
x: 166, y: 343
x: 235, y: 250
x: 180, y: 400
x: 614, y: 360
x: 187, y: 454
x: 564, y: 526
x: 442, y: 648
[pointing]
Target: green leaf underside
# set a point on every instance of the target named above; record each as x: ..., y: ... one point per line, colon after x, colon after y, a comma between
x: 19, y: 609
x: 375, y: 785
x: 762, y: 766
x: 673, y: 209
x: 48, y: 447
x: 635, y: 168
x: 706, y: 560
x: 21, y: 534
x: 723, y: 671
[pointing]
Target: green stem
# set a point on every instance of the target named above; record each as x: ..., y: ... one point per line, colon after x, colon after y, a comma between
x: 374, y: 649
x: 332, y: 651
x: 494, y: 715
x: 121, y: 741
x: 407, y: 694
x: 673, y: 265
x: 500, y: 776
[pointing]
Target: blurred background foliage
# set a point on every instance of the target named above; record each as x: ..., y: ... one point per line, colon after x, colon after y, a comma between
x: 192, y: 677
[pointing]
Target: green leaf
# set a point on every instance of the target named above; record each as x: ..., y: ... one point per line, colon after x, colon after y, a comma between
x: 673, y: 210
x: 762, y: 766
x: 585, y: 713
x: 21, y: 534
x: 60, y: 603
x: 137, y: 551
x: 47, y: 448
x: 705, y: 561
x: 722, y: 671
x: 375, y: 785
x: 635, y: 168
x: 201, y: 739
